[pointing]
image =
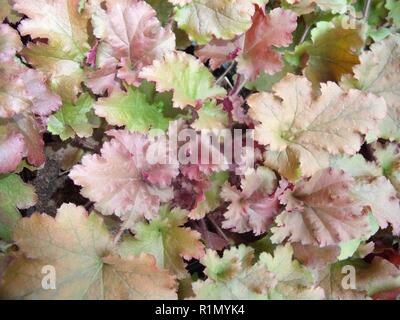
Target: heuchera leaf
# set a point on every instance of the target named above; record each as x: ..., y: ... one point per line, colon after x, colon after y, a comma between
x: 167, y: 240
x: 255, y: 206
x: 384, y: 274
x: 321, y: 211
x: 82, y: 252
x: 255, y: 50
x: 132, y: 110
x: 378, y: 73
x: 218, y: 51
x: 284, y: 268
x: 24, y: 90
x: 268, y: 31
x: 394, y: 11
x: 10, y: 43
x: 121, y: 181
x: 374, y: 191
x: 65, y: 29
x: 211, y: 199
x: 64, y: 71
x: 190, y: 80
x: 388, y: 158
x: 23, y: 95
x: 380, y: 197
x: 135, y: 40
x: 58, y: 21
x: 211, y: 116
x: 294, y: 280
x: 333, y: 50
x: 14, y: 195
x: 225, y: 18
x: 315, y: 257
x: 233, y: 276
x: 355, y: 165
x: 74, y: 119
x: 12, y: 149
x: 25, y: 132
x: 301, y: 129
x: 307, y: 6
x: 6, y: 11
x: 236, y: 275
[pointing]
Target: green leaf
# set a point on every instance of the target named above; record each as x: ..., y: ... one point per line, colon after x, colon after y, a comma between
x: 349, y: 248
x: 74, y: 119
x: 132, y: 109
x: 163, y: 8
x: 189, y: 79
x: 167, y: 240
x: 394, y: 11
x: 235, y: 275
x: 224, y: 19
x: 212, y: 196
x: 355, y: 165
x: 282, y: 265
x: 294, y: 281
x: 333, y: 51
x: 14, y: 195
x: 265, y: 82
x: 6, y: 11
x: 211, y: 116
x: 165, y: 99
x: 379, y: 34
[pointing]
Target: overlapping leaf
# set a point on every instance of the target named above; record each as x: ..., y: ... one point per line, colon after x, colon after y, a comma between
x: 121, y: 181
x: 167, y: 240
x: 81, y: 251
x: 225, y: 18
x: 322, y: 211
x: 190, y: 81
x: 301, y: 129
x: 65, y: 29
x: 131, y: 35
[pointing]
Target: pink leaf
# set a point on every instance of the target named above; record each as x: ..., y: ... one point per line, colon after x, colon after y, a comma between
x: 218, y: 51
x: 43, y: 100
x: 134, y: 35
x: 255, y: 206
x: 12, y: 150
x: 103, y: 80
x: 268, y: 30
x: 322, y: 211
x: 119, y: 181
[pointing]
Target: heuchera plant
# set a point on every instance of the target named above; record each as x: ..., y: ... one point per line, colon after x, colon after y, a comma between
x: 199, y: 149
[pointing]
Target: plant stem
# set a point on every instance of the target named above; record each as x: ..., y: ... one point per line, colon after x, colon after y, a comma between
x: 88, y: 204
x: 366, y: 10
x: 218, y: 229
x: 86, y: 145
x: 222, y: 76
x: 204, y: 227
x: 239, y: 84
x: 228, y: 82
x: 118, y: 235
x: 236, y: 85
x: 305, y: 34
